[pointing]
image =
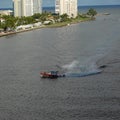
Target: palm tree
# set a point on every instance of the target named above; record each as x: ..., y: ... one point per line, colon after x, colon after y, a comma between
x: 64, y: 17
x: 91, y: 12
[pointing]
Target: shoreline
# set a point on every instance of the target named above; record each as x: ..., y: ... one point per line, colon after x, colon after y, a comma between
x: 10, y: 33
x: 55, y: 25
x: 58, y: 25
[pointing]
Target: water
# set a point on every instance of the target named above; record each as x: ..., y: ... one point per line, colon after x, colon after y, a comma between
x: 73, y: 49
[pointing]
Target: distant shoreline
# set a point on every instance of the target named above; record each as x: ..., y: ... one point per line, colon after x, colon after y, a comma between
x: 80, y: 6
x: 57, y: 25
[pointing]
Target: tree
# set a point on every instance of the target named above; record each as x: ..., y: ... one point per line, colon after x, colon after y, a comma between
x: 64, y: 17
x: 56, y: 17
x: 44, y: 16
x: 9, y: 22
x: 36, y: 16
x: 91, y: 12
x: 29, y: 20
x: 25, y: 20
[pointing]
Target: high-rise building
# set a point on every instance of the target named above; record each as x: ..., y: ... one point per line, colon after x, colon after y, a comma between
x: 66, y: 6
x: 17, y: 8
x: 37, y: 6
x: 27, y: 7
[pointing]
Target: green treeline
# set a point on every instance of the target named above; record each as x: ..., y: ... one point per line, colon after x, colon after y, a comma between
x: 12, y: 22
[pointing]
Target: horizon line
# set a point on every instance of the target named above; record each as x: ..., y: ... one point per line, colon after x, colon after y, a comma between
x: 78, y: 6
x: 92, y: 5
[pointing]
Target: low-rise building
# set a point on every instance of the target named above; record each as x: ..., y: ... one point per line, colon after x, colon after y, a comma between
x: 6, y: 12
x: 38, y: 24
x: 24, y: 27
x: 47, y: 22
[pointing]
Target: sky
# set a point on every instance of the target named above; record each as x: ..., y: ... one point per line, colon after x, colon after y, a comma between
x: 8, y: 3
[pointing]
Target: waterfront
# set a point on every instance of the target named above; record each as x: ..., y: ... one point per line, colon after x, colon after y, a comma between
x: 25, y: 96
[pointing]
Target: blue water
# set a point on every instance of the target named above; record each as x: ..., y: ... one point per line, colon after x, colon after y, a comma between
x: 83, y: 66
x: 73, y: 49
x: 84, y: 9
x: 80, y: 8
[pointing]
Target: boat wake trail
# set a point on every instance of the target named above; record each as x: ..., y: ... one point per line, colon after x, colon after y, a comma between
x: 75, y: 69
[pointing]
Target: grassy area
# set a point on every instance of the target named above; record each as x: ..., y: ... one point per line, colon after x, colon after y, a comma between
x: 59, y: 24
x: 73, y: 21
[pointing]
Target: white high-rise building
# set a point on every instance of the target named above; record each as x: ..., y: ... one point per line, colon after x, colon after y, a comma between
x: 27, y: 7
x: 17, y: 8
x: 37, y: 6
x: 66, y: 6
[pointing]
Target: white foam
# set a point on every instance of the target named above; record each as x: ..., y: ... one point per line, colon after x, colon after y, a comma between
x: 75, y: 69
x: 71, y: 66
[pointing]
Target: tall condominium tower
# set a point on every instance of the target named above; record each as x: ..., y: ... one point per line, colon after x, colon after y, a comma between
x: 66, y: 6
x: 37, y: 6
x: 27, y: 7
x: 17, y: 8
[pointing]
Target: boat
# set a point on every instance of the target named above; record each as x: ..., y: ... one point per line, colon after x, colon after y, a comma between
x: 106, y: 13
x: 51, y: 74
